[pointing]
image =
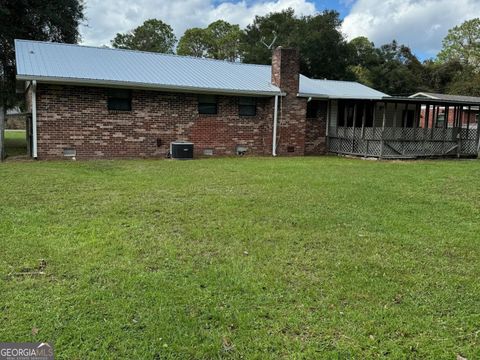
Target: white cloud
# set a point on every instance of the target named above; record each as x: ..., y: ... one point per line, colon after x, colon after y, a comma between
x: 105, y: 18
x: 420, y: 24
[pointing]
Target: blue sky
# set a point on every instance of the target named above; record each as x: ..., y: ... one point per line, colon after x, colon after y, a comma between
x: 420, y: 24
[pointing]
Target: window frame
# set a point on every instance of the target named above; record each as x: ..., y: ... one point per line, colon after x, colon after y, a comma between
x: 246, y: 105
x: 203, y: 105
x: 116, y: 97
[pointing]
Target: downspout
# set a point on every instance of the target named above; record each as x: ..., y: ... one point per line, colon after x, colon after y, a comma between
x: 275, y: 122
x: 34, y: 119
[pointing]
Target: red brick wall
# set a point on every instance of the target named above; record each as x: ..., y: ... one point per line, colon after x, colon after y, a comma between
x: 77, y: 117
x: 293, y: 110
x: 315, y: 133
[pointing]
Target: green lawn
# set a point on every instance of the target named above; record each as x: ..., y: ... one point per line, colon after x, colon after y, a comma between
x: 254, y: 258
x: 15, y: 142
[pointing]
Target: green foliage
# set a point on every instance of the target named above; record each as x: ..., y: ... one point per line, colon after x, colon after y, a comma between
x: 260, y: 38
x: 438, y: 77
x: 324, y: 51
x: 253, y: 258
x: 153, y: 35
x: 462, y: 44
x: 194, y: 42
x: 220, y: 40
x: 54, y: 20
x: 392, y: 68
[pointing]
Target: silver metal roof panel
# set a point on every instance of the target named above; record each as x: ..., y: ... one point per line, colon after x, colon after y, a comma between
x: 75, y: 64
x: 333, y: 89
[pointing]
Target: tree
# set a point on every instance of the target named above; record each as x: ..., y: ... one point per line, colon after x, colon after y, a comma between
x: 224, y: 40
x: 399, y: 72
x: 54, y: 20
x: 323, y: 49
x: 220, y: 40
x: 462, y: 44
x: 194, y: 42
x: 260, y: 38
x: 438, y: 77
x: 325, y: 52
x: 153, y: 35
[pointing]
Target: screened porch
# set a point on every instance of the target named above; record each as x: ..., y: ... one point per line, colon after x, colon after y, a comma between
x: 403, y: 128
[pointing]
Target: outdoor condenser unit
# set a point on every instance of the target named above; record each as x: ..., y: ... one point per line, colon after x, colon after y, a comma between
x: 182, y: 150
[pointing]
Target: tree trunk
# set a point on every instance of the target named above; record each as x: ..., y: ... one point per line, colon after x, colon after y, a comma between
x: 3, y: 115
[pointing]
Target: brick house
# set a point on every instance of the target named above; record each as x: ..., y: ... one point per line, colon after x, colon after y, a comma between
x: 90, y: 102
x: 100, y: 102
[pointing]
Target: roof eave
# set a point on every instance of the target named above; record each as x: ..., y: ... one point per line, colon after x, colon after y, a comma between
x: 145, y: 86
x: 427, y: 95
x: 329, y: 97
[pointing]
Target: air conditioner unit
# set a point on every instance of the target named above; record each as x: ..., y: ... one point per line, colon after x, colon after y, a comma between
x: 182, y: 150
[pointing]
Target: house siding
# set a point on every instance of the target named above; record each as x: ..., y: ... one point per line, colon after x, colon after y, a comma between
x: 77, y: 117
x: 315, y: 132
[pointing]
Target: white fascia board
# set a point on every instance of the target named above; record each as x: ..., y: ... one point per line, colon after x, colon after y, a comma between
x: 328, y: 97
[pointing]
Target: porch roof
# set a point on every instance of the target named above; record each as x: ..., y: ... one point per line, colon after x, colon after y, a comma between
x: 446, y: 97
x: 334, y: 89
x: 424, y: 100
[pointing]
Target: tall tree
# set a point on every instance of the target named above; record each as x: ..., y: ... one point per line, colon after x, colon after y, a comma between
x: 438, y: 77
x: 260, y: 38
x: 220, y: 40
x: 224, y: 40
x: 325, y: 52
x: 323, y: 49
x: 399, y: 73
x: 462, y: 44
x: 194, y: 42
x: 153, y: 35
x: 54, y: 20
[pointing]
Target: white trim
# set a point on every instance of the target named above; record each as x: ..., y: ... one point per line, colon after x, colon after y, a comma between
x: 34, y: 119
x: 137, y: 85
x: 329, y: 97
x: 275, y: 120
x: 422, y: 94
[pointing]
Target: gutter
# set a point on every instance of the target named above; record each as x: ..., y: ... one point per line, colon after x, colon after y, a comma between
x: 328, y: 97
x: 275, y: 122
x: 34, y: 119
x: 144, y: 86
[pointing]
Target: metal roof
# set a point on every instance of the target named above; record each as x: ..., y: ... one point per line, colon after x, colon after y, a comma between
x: 66, y: 63
x: 75, y: 64
x: 446, y: 97
x: 333, y: 89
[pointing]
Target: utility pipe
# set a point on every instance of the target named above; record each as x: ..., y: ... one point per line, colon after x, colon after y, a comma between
x: 34, y: 119
x: 275, y: 121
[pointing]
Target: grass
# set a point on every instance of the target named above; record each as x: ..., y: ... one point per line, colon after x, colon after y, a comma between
x: 254, y: 258
x: 15, y: 142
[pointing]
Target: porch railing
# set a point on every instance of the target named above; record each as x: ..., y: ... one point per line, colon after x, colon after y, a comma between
x: 395, y: 142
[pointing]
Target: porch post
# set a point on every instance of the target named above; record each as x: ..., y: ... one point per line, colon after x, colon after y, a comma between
x: 363, y: 120
x: 445, y: 127
x: 395, y: 121
x: 404, y: 117
x: 426, y: 117
x: 383, y: 129
x: 354, y: 125
x: 459, y: 130
x: 327, y: 130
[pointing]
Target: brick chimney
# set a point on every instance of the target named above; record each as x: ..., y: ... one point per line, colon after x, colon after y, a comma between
x: 285, y: 69
x: 292, y: 124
